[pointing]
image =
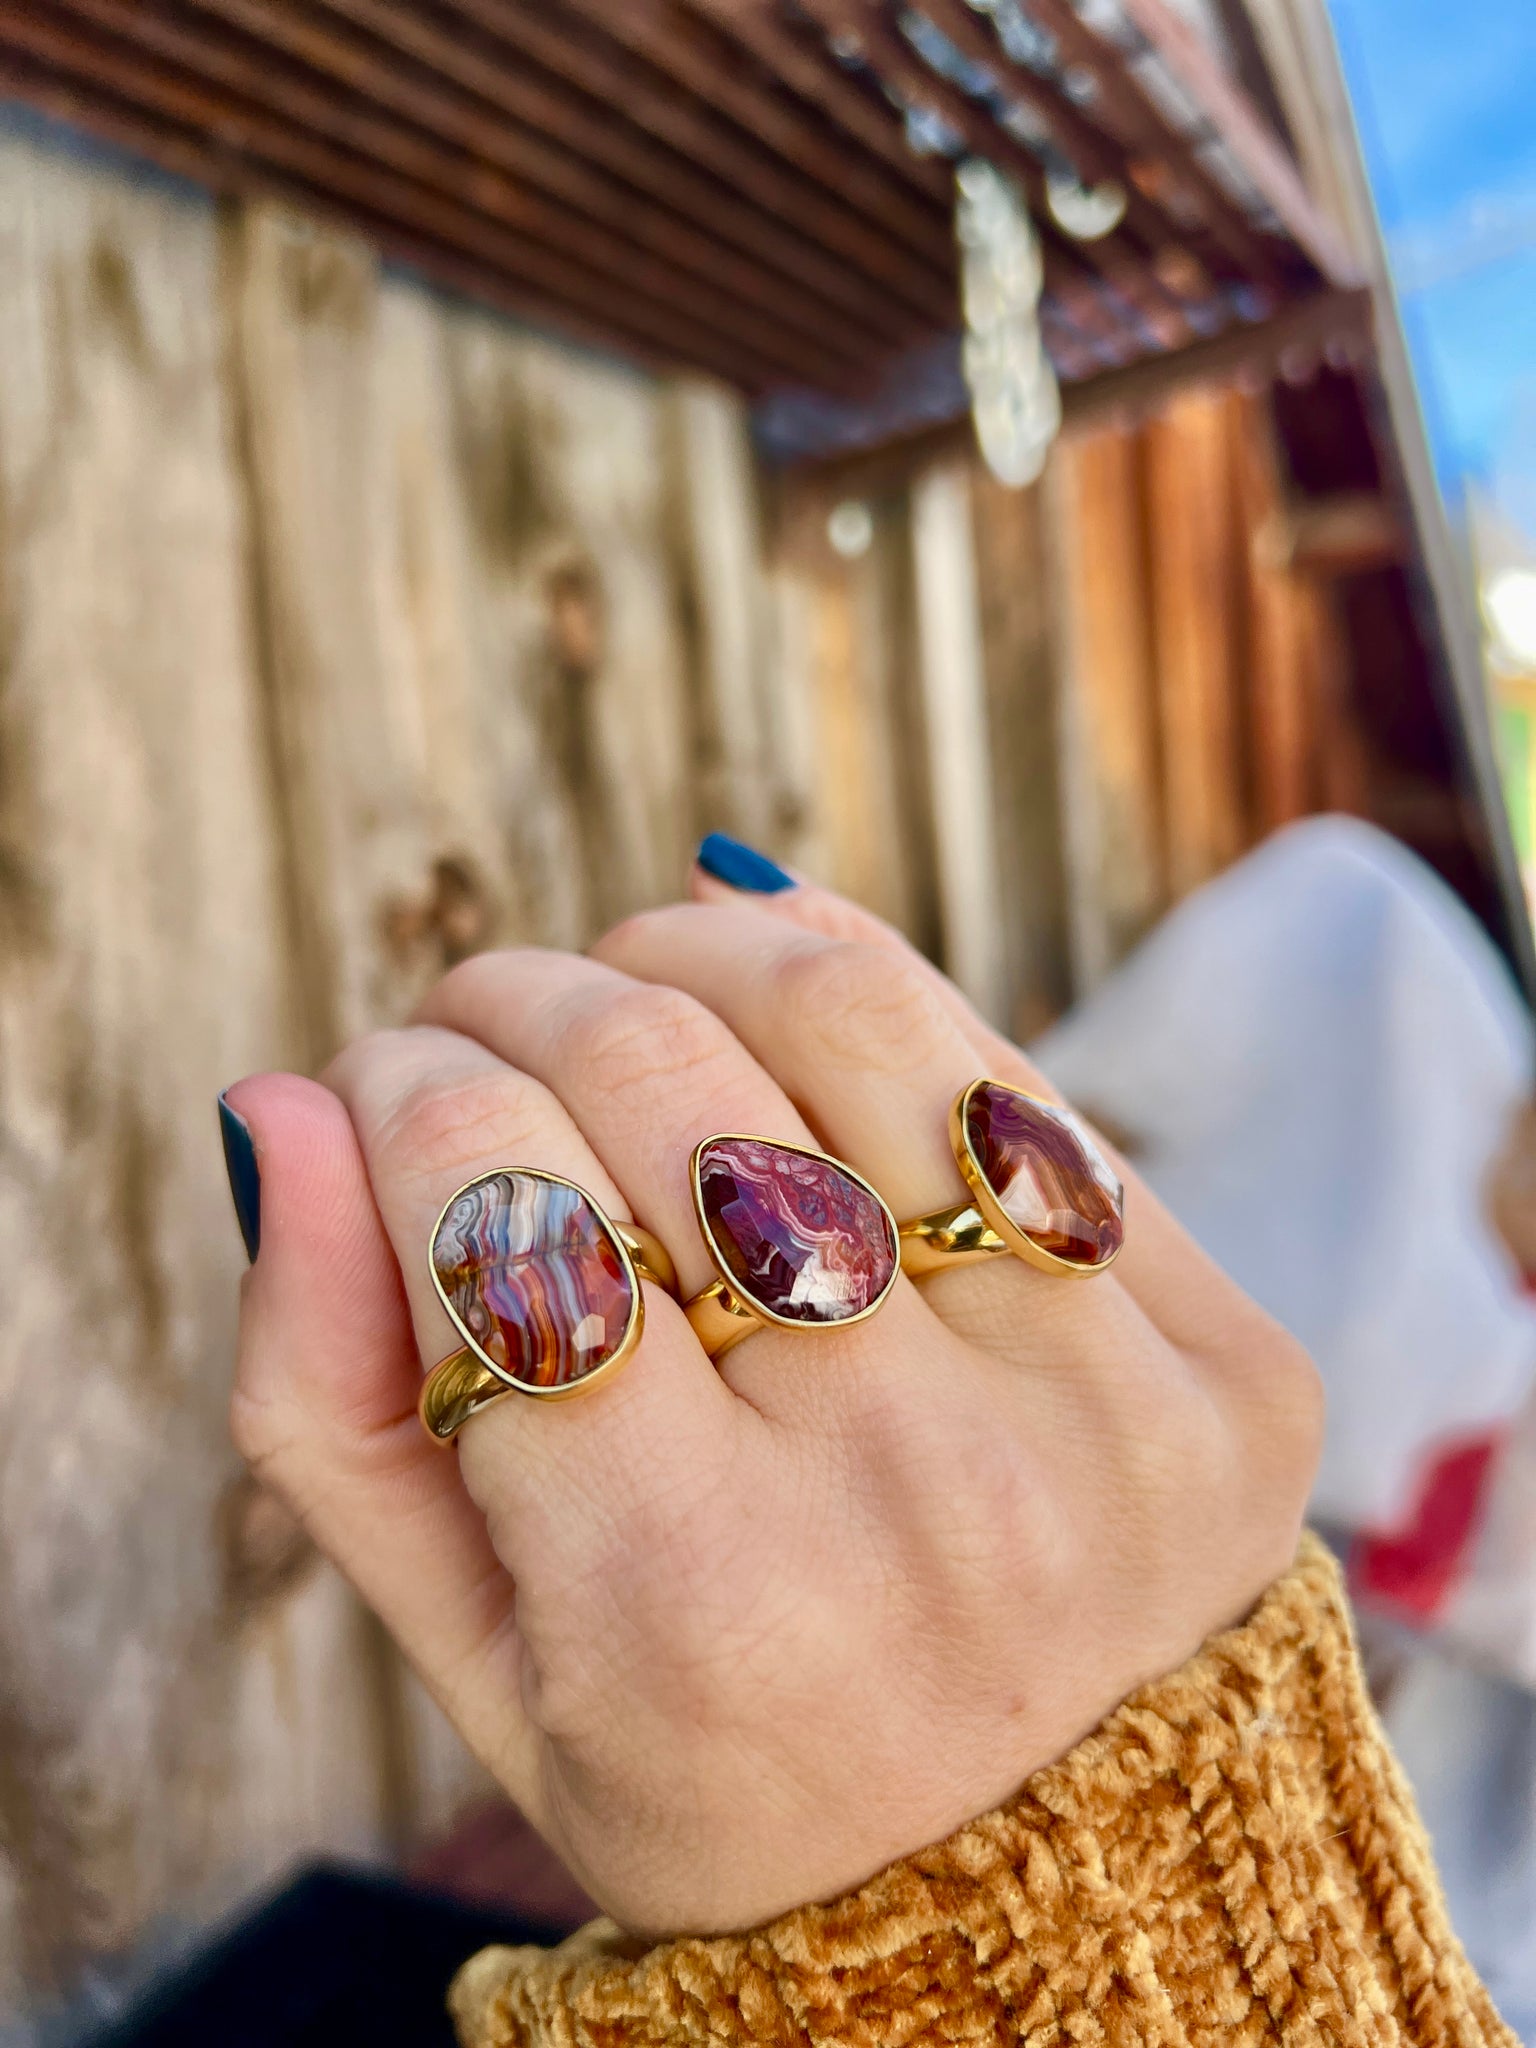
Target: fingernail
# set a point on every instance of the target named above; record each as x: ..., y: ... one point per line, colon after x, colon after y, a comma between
x: 244, y: 1176
x: 741, y: 867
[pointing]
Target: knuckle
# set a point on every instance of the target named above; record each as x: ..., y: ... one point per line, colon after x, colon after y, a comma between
x: 1259, y: 1492
x: 369, y: 1052
x: 648, y: 930
x: 1299, y: 1402
x: 980, y: 1501
x: 867, y: 1001
x: 437, y: 1128
x: 998, y: 1531
x: 475, y: 988
x: 460, y: 991
x: 643, y: 1034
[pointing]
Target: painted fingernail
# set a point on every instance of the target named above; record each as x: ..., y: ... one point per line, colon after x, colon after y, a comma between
x: 244, y: 1176
x: 741, y: 867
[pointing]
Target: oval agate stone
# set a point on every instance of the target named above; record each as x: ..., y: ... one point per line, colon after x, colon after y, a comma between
x: 1050, y: 1179
x: 799, y: 1237
x: 532, y: 1275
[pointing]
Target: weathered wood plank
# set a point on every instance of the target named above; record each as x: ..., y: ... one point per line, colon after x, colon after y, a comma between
x: 346, y: 565
x: 718, y: 535
x: 1282, y: 646
x: 1013, y: 576
x: 169, y: 1736
x: 580, y: 586
x: 1112, y: 838
x: 952, y: 675
x: 1198, y: 596
x: 845, y: 672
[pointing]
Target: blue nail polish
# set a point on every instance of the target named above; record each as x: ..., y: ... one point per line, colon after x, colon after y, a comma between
x: 741, y: 867
x: 244, y: 1176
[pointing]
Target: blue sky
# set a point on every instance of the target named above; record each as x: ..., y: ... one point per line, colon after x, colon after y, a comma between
x: 1446, y: 100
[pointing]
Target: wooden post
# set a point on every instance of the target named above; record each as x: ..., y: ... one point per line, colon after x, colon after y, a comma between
x: 717, y: 522
x: 843, y: 632
x: 1282, y: 679
x: 1198, y: 591
x: 952, y: 680
x: 1023, y: 758
x: 1113, y: 826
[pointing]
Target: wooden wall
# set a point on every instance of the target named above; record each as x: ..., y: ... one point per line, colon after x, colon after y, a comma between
x: 344, y: 631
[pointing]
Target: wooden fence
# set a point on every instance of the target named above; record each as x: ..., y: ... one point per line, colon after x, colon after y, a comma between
x: 344, y: 631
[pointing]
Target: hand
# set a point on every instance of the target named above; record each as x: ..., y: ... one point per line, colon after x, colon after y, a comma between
x: 737, y: 1639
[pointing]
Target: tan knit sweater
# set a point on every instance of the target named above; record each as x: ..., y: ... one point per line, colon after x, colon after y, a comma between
x: 1232, y: 1857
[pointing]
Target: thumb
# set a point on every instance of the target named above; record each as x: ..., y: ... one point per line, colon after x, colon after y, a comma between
x: 324, y: 1410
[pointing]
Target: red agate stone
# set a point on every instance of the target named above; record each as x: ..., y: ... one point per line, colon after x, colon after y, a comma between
x: 798, y: 1235
x: 1049, y: 1177
x: 533, y: 1275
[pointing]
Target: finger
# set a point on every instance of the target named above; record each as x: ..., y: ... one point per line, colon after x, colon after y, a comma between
x: 1184, y: 1292
x: 324, y: 1408
x: 856, y: 1035
x: 648, y: 1073
x: 815, y: 909
x: 433, y: 1110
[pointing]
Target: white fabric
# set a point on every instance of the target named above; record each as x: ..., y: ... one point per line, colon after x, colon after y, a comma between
x: 1317, y: 1056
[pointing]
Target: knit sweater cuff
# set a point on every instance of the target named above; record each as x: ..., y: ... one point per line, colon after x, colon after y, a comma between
x: 1232, y: 1856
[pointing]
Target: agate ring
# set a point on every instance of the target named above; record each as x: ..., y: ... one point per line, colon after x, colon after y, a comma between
x: 799, y: 1240
x: 1039, y: 1187
x: 543, y: 1287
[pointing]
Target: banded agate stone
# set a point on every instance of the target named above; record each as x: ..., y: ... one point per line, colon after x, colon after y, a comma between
x: 1049, y: 1177
x: 799, y: 1237
x: 532, y: 1275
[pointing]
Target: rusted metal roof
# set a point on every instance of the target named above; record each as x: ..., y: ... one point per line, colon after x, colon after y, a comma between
x: 759, y: 189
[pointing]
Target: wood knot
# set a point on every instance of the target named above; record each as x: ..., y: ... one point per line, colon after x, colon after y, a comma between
x: 575, y: 616
x: 452, y: 918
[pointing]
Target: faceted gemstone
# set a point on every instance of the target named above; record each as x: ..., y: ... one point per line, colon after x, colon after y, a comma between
x: 533, y: 1275
x: 798, y: 1236
x: 1049, y: 1177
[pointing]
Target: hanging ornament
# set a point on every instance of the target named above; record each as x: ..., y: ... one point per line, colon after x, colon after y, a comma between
x: 1015, y: 403
x: 1086, y: 212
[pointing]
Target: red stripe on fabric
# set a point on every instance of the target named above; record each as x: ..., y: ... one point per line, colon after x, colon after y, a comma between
x: 1413, y: 1569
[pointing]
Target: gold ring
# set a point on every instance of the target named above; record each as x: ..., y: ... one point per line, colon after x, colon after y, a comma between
x: 799, y: 1240
x: 543, y: 1287
x: 1040, y: 1188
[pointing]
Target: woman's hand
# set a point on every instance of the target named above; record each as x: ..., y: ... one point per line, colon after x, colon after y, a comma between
x: 736, y: 1639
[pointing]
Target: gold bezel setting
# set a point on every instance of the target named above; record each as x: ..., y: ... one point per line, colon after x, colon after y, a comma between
x: 991, y: 1210
x: 732, y: 1295
x: 633, y: 1329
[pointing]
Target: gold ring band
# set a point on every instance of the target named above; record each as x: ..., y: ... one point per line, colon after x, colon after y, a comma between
x: 467, y: 1380
x: 720, y: 1318
x: 648, y: 1255
x: 957, y: 1236
x: 1039, y: 1187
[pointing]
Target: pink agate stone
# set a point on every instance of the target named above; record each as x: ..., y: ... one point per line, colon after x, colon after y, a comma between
x: 1049, y: 1177
x: 799, y: 1237
x: 532, y: 1274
